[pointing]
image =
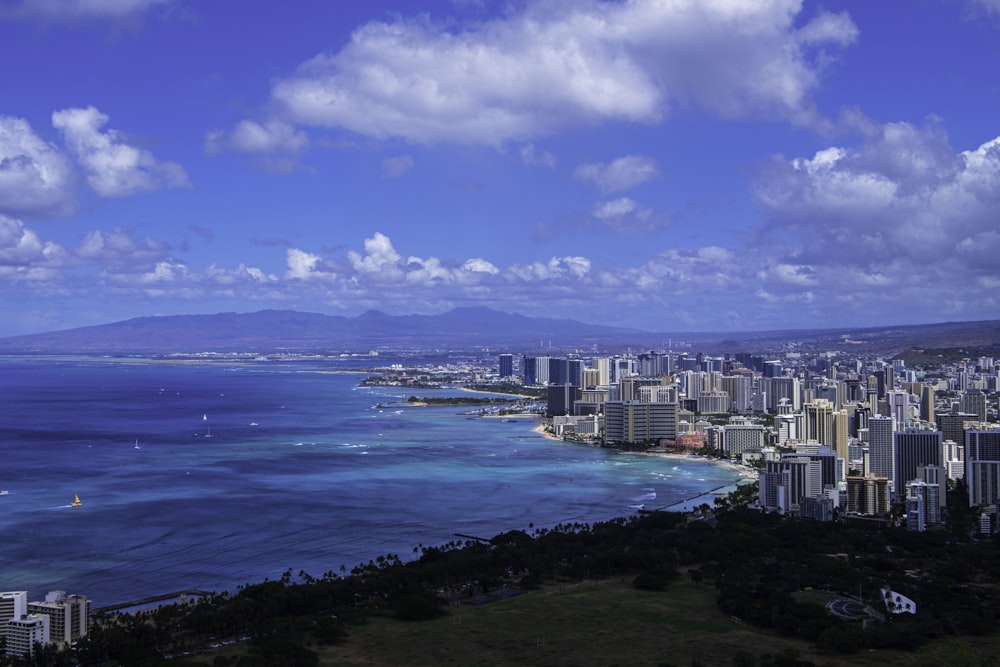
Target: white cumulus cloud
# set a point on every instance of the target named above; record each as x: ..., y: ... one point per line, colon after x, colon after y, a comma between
x: 479, y: 83
x: 302, y: 265
x: 480, y: 265
x: 21, y: 247
x: 903, y: 193
x: 36, y: 178
x: 380, y: 258
x: 113, y: 167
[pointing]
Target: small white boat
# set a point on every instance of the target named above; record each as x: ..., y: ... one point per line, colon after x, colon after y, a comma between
x: 136, y: 444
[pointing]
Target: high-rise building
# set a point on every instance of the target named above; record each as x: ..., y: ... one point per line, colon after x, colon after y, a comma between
x: 633, y: 422
x: 24, y: 633
x: 924, y: 498
x: 541, y: 370
x: 574, y: 372
x: 789, y: 427
x: 817, y: 508
x: 782, y: 388
x: 868, y: 495
x: 506, y: 365
x: 654, y: 363
x: 69, y: 615
x: 629, y: 386
x: 914, y: 448
x: 954, y: 459
x: 623, y: 367
x: 828, y: 391
x: 739, y: 386
x: 13, y: 604
x: 785, y: 482
x: 713, y: 402
x: 881, y: 448
x: 927, y: 403
x: 529, y: 370
x: 872, y: 401
x: 898, y: 403
x: 558, y: 370
x: 819, y: 421
x: 885, y: 380
x: 603, y: 366
x: 855, y: 391
x: 686, y: 363
x: 974, y: 402
x: 982, y: 467
x: 953, y: 424
x: 561, y: 398
x: 738, y: 438
x: 657, y: 393
x: 591, y: 378
x: 935, y: 475
x: 824, y: 456
x: 841, y: 434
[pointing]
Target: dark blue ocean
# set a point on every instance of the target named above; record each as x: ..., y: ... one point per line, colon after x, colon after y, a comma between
x: 214, y: 475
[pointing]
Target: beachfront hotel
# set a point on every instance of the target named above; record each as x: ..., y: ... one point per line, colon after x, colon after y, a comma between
x: 59, y: 619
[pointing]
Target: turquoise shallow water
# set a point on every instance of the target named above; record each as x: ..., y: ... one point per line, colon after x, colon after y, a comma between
x: 243, y: 471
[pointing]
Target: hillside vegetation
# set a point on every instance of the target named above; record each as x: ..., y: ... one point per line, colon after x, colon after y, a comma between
x: 740, y: 571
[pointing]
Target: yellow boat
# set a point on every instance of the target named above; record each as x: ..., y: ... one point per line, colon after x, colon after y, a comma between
x: 76, y: 501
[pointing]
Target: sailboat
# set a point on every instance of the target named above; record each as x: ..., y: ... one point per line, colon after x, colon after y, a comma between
x: 136, y: 444
x: 204, y: 418
x: 76, y: 501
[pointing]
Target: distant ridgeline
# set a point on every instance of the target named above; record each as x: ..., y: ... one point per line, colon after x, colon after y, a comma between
x: 916, y: 357
x: 466, y: 328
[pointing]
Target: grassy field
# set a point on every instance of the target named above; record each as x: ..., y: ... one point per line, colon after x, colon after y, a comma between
x: 592, y: 623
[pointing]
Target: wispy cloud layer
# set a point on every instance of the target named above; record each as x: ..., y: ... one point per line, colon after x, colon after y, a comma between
x: 276, y: 144
x: 623, y: 173
x: 36, y: 178
x: 65, y: 10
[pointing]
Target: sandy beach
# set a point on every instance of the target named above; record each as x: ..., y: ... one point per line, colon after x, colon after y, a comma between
x: 748, y: 474
x: 540, y: 430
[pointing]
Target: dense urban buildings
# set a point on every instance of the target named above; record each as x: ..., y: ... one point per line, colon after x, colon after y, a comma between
x: 829, y: 435
x: 58, y: 619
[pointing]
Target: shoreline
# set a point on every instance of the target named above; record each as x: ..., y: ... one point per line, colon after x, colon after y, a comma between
x: 746, y: 474
x: 540, y: 430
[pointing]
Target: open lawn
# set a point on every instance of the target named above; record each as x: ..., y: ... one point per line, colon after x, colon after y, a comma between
x: 592, y: 623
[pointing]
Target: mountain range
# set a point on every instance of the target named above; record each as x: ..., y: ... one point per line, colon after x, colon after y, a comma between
x: 273, y: 330
x: 463, y: 328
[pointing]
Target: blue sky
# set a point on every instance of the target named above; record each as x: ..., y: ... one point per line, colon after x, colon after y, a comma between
x: 667, y: 165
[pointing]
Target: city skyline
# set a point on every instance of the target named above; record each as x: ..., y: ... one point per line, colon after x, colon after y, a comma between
x: 661, y: 166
